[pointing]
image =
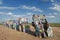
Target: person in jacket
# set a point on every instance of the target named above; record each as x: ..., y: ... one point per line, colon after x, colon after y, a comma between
x: 45, y: 25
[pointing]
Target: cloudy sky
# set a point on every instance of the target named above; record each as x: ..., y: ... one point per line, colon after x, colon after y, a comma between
x: 12, y: 9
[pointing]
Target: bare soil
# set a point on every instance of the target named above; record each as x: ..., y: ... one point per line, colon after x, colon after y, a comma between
x: 11, y: 34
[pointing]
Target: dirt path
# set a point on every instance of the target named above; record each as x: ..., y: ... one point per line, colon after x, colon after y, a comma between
x: 9, y: 34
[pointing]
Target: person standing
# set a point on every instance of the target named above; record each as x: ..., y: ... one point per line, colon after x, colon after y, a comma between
x: 45, y: 25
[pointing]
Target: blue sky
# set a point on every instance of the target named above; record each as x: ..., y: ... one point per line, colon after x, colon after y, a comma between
x: 12, y: 9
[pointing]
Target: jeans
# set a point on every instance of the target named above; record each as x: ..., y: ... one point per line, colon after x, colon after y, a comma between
x: 38, y: 33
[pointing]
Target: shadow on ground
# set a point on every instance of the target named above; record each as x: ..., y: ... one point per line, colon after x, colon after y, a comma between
x: 31, y: 32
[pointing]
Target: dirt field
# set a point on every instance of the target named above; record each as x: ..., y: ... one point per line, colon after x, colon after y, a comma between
x: 10, y: 34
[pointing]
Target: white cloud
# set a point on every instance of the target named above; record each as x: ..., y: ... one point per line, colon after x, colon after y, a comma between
x: 10, y: 8
x: 33, y: 8
x: 52, y: 0
x: 9, y: 14
x: 55, y: 7
x: 16, y: 15
x: 1, y: 2
x: 55, y: 13
x: 13, y: 15
x: 29, y: 13
x: 1, y: 12
x: 50, y: 16
x: 6, y: 13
